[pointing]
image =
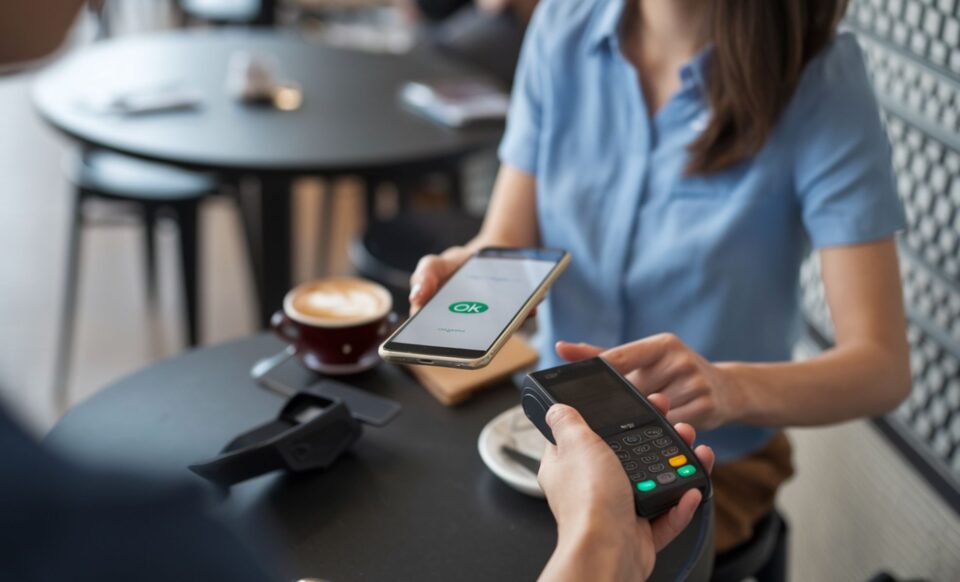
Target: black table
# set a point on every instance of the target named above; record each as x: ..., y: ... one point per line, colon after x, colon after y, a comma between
x: 412, y: 501
x: 350, y: 122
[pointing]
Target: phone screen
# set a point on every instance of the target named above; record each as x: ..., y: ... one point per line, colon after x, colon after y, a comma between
x: 601, y: 399
x: 478, y: 302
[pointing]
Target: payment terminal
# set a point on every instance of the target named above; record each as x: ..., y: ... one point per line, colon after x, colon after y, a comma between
x: 659, y: 464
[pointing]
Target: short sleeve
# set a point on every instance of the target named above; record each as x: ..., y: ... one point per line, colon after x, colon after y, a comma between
x: 842, y: 166
x: 519, y: 146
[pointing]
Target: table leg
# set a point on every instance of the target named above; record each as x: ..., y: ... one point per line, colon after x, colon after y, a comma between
x: 247, y: 196
x: 276, y: 243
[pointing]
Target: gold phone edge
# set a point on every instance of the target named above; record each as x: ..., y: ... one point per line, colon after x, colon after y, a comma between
x: 477, y: 363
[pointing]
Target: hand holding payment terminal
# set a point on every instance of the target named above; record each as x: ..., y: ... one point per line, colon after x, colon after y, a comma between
x: 660, y: 465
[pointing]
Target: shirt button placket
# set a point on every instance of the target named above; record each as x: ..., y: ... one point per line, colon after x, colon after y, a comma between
x: 638, y: 142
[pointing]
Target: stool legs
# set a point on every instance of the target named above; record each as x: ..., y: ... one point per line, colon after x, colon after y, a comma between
x: 186, y: 216
x: 775, y: 570
x: 61, y: 370
x: 150, y: 253
x: 187, y: 221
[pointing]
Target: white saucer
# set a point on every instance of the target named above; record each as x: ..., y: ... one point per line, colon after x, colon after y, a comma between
x: 368, y: 361
x: 512, y: 428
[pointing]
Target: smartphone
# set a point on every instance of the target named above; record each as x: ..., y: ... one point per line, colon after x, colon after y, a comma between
x: 469, y: 319
x: 659, y: 464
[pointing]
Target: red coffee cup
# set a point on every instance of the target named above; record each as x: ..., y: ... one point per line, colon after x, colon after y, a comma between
x: 335, y: 324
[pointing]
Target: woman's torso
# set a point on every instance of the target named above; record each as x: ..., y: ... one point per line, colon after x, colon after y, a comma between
x: 713, y: 259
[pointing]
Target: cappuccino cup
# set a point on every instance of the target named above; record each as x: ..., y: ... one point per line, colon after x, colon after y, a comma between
x: 335, y: 324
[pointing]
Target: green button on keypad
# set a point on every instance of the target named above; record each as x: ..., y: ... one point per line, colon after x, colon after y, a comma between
x: 686, y: 470
x: 647, y: 485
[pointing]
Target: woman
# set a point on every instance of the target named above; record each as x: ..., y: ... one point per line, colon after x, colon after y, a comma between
x: 689, y: 153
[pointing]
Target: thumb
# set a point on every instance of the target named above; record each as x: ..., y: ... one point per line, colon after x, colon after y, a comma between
x: 567, y: 425
x: 573, y: 352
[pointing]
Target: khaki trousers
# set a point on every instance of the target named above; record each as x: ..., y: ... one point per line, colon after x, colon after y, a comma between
x: 745, y: 490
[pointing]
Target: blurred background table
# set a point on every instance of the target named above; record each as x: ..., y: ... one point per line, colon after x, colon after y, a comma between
x: 411, y: 501
x: 350, y: 122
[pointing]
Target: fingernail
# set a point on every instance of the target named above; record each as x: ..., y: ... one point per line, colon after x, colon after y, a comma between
x: 415, y: 290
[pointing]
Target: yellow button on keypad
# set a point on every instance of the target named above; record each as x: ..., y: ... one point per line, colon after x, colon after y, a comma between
x: 678, y: 461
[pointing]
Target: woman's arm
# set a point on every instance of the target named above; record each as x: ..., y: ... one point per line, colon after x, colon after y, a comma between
x: 511, y: 221
x: 865, y: 374
x: 868, y: 371
x: 511, y: 218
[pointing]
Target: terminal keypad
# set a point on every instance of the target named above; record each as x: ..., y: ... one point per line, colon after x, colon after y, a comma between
x: 650, y: 457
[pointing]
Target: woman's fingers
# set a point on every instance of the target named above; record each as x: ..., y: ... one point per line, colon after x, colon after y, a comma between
x: 423, y: 282
x: 661, y: 402
x: 634, y: 358
x: 663, y: 373
x: 642, y: 353
x: 696, y: 412
x: 422, y: 291
x: 430, y: 274
x: 573, y: 352
x: 683, y: 391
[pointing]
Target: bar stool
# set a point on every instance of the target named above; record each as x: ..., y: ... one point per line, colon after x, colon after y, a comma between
x: 146, y: 190
x: 762, y: 558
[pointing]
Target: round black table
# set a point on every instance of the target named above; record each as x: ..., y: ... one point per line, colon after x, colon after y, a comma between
x: 350, y: 122
x: 411, y: 501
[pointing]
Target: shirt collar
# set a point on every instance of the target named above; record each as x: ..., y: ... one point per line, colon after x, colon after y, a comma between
x: 695, y: 70
x: 606, y: 26
x: 606, y: 31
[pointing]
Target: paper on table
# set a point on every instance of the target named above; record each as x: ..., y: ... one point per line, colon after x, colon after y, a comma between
x: 456, y: 102
x: 135, y: 101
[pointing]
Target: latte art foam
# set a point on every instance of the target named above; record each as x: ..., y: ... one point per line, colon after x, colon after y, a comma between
x: 339, y: 300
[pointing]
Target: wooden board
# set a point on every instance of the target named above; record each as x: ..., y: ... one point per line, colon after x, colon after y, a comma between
x: 452, y: 386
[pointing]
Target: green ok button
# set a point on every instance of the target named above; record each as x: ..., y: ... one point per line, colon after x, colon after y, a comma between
x: 468, y: 307
x: 647, y: 485
x: 686, y: 470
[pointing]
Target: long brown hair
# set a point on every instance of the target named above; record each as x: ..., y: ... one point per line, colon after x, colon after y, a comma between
x: 760, y: 50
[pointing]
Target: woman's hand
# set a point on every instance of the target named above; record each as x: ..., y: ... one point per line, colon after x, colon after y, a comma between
x: 432, y: 272
x: 704, y: 394
x: 599, y: 533
x: 511, y: 221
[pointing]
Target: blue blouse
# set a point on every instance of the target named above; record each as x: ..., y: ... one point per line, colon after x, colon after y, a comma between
x: 713, y: 259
